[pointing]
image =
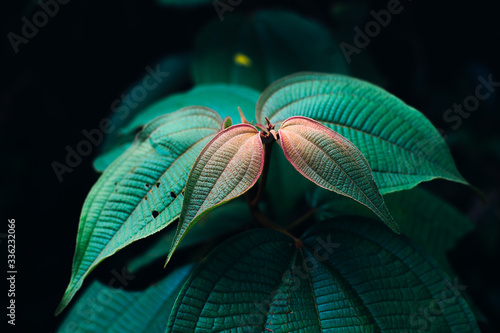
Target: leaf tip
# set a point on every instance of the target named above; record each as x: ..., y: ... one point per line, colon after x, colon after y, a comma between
x: 63, y: 304
x: 242, y: 116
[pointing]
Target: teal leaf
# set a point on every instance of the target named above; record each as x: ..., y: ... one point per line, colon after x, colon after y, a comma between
x: 401, y: 145
x: 167, y: 75
x: 223, y: 98
x: 258, y: 48
x: 103, y: 160
x: 331, y: 161
x: 102, y: 309
x: 133, y: 197
x: 350, y: 275
x: 429, y: 221
x: 213, y: 224
x: 228, y: 166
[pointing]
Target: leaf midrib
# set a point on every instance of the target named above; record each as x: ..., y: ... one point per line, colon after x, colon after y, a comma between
x: 342, y: 169
x: 98, y: 258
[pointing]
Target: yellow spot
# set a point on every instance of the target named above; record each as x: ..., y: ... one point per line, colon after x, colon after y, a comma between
x: 242, y: 60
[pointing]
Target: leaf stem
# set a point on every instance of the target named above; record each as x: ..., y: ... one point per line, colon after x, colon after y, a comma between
x: 301, y: 219
x: 267, y: 223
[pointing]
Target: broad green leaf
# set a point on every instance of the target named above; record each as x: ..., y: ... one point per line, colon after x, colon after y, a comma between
x: 258, y: 48
x: 157, y: 80
x: 141, y: 192
x: 223, y: 98
x: 401, y: 145
x: 331, y: 161
x: 103, y: 309
x: 350, y: 275
x: 213, y: 224
x: 228, y: 166
x: 426, y: 219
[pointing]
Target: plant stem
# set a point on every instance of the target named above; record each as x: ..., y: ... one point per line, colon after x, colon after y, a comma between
x: 267, y: 223
x: 254, y: 203
x: 301, y: 219
x: 263, y: 179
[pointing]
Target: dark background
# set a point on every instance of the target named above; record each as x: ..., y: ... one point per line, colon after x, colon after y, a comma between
x: 65, y: 78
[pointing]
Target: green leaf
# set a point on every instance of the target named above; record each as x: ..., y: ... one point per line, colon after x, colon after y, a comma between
x: 228, y: 166
x: 167, y: 75
x: 332, y: 162
x: 401, y: 145
x: 258, y: 48
x: 140, y: 193
x: 351, y: 275
x: 223, y: 98
x: 214, y: 224
x: 426, y: 219
x: 105, y: 159
x: 103, y: 309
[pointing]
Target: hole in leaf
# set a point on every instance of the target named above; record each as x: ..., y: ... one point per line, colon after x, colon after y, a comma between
x: 154, y: 213
x: 173, y: 195
x: 158, y: 185
x: 147, y: 185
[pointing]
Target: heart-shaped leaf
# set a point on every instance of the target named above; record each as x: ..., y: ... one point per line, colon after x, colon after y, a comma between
x: 140, y: 193
x: 228, y: 166
x: 401, y: 145
x: 258, y: 48
x: 332, y: 162
x: 223, y: 98
x: 351, y: 275
x: 104, y: 309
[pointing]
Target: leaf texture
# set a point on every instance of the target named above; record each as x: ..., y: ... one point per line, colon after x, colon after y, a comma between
x: 223, y: 98
x: 228, y: 166
x: 401, y: 145
x: 213, y: 224
x: 429, y: 221
x: 351, y: 275
x: 332, y: 162
x: 133, y: 197
x: 102, y: 309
